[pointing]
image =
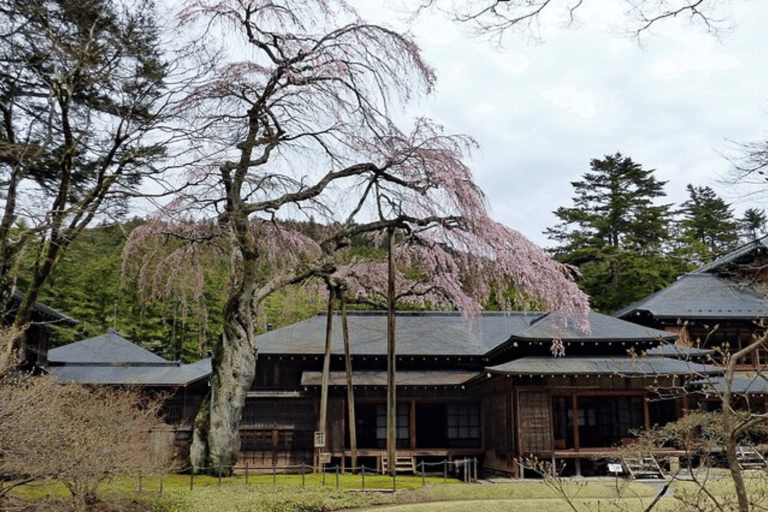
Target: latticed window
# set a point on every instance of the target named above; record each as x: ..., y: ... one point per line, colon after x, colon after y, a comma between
x: 463, y: 421
x: 403, y: 429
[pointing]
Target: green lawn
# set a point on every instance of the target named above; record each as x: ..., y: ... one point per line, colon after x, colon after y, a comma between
x: 294, y: 493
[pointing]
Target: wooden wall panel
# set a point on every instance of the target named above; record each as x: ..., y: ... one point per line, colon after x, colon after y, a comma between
x: 534, y: 416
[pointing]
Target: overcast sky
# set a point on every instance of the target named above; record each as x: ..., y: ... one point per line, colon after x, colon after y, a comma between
x: 542, y: 111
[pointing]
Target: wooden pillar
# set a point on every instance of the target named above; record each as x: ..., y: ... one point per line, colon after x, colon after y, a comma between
x: 412, y: 425
x: 391, y: 388
x: 350, y: 386
x: 646, y: 414
x: 575, y: 414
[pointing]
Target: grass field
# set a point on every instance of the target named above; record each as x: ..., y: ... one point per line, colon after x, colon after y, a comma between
x: 294, y: 493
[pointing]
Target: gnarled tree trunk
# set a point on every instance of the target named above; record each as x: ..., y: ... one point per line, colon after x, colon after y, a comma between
x: 216, y: 442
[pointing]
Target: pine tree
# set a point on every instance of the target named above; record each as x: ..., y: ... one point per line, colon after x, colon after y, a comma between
x: 613, y: 207
x: 81, y: 95
x: 707, y: 224
x: 616, y: 234
x: 753, y: 223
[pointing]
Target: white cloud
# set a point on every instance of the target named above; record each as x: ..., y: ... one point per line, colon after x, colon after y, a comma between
x: 568, y: 99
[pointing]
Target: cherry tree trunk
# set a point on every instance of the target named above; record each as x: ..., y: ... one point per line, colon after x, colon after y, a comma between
x: 216, y: 442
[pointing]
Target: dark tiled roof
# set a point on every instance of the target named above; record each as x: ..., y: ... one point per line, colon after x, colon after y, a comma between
x: 402, y: 378
x: 701, y: 296
x: 679, y: 351
x: 742, y: 384
x: 416, y: 333
x: 172, y: 374
x: 114, y: 360
x: 448, y: 334
x: 108, y: 348
x: 602, y: 328
x: 621, y: 366
x: 735, y: 255
x: 47, y: 313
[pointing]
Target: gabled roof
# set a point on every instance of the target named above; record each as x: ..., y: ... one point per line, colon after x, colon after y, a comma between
x: 701, y: 296
x: 706, y: 294
x: 107, y: 348
x: 602, y: 328
x: 42, y: 311
x: 172, y: 374
x: 416, y: 334
x: 759, y: 245
x: 113, y: 360
x: 619, y: 366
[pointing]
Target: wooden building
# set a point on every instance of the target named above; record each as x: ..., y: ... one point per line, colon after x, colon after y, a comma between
x: 111, y: 360
x: 720, y: 306
x: 486, y: 388
x: 36, y: 336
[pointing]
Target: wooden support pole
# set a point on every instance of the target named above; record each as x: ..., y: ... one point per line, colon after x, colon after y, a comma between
x: 350, y: 388
x: 326, y: 366
x: 391, y: 394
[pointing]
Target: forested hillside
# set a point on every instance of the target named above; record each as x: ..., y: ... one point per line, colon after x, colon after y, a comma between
x: 87, y: 284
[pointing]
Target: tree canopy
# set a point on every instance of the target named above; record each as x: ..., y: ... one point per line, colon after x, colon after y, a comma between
x: 707, y: 225
x: 81, y: 95
x: 614, y: 206
x: 617, y: 234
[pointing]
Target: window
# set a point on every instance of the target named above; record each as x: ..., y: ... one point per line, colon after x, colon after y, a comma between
x: 463, y: 421
x: 403, y: 428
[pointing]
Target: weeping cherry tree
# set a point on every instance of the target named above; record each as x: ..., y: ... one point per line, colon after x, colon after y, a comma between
x: 297, y: 121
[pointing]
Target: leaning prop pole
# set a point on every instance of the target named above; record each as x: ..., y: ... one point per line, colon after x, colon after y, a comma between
x: 350, y: 388
x: 391, y: 395
x: 326, y: 369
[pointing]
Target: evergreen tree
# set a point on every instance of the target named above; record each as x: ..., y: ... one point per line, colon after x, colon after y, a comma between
x: 613, y: 207
x: 82, y: 99
x: 753, y: 223
x: 616, y: 234
x: 707, y: 224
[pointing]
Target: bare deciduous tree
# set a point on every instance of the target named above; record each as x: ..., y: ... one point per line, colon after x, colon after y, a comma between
x: 495, y: 18
x: 74, y: 434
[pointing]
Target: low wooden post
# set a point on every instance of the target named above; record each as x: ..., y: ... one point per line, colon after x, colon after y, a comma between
x: 362, y: 474
x: 394, y: 481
